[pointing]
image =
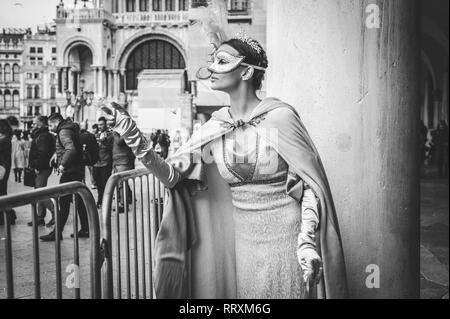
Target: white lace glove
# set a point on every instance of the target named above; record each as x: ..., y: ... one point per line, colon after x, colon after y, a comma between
x: 126, y: 127
x: 307, y: 255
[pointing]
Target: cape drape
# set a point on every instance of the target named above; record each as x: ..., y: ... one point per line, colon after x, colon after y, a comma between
x: 197, y: 223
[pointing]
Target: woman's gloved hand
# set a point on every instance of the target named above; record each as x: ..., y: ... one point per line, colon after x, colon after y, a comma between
x: 122, y: 123
x: 311, y: 264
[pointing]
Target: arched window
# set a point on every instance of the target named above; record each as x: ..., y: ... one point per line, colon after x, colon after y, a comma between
x: 7, y: 99
x: 143, y: 5
x: 170, y: 5
x: 238, y: 6
x: 183, y: 5
x: 29, y: 92
x: 157, y: 5
x: 16, y: 73
x: 130, y: 5
x: 7, y: 73
x: 53, y: 92
x: 1, y: 100
x: 16, y: 99
x: 153, y: 54
x: 37, y: 92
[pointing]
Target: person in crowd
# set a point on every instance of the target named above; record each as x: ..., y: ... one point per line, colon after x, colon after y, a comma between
x: 95, y: 129
x: 69, y: 162
x: 27, y: 145
x: 177, y: 141
x: 18, y: 154
x: 90, y: 149
x: 123, y: 160
x: 90, y: 167
x: 103, y: 168
x: 41, y: 151
x: 6, y: 133
x: 164, y: 143
x: 154, y: 138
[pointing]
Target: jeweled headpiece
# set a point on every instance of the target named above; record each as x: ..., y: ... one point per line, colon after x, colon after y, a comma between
x: 244, y: 37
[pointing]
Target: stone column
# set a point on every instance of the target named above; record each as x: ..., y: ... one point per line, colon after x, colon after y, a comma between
x: 110, y: 84
x: 60, y: 80
x: 71, y: 80
x: 121, y: 8
x: 66, y: 78
x: 78, y: 82
x: 96, y: 90
x: 355, y: 83
x: 124, y: 83
x: 115, y: 84
x: 101, y: 81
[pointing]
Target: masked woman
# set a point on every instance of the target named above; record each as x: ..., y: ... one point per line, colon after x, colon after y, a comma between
x: 247, y: 196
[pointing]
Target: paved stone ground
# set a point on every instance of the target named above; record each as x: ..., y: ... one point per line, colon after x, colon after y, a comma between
x: 434, y: 248
x: 434, y: 235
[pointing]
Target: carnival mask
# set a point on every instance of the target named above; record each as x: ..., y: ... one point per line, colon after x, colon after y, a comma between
x: 223, y: 62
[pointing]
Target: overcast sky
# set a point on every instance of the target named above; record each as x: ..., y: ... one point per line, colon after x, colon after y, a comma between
x: 28, y: 13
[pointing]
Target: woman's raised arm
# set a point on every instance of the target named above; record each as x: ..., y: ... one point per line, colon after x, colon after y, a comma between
x: 122, y: 123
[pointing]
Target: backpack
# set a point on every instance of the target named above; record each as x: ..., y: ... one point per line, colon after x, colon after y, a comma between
x: 89, y: 154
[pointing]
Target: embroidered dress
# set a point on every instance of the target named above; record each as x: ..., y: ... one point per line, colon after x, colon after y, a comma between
x: 266, y: 219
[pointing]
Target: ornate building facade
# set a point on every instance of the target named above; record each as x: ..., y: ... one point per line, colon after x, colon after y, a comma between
x: 145, y: 53
x: 40, y: 84
x: 11, y: 60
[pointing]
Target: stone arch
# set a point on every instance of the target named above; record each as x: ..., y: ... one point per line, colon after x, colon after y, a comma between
x: 75, y: 41
x: 143, y: 36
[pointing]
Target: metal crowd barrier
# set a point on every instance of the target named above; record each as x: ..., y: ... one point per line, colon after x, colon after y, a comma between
x: 54, y: 193
x: 124, y: 262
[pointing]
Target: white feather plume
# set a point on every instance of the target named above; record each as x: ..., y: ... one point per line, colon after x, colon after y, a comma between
x: 214, y: 20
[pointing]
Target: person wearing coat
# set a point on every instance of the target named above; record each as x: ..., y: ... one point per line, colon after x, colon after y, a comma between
x: 18, y: 156
x: 68, y: 158
x: 41, y: 151
x: 5, y: 164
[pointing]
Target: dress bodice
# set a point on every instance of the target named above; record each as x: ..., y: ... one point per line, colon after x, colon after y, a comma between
x: 254, y: 170
x: 244, y: 157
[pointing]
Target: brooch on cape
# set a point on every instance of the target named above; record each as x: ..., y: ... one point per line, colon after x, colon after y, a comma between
x: 240, y: 123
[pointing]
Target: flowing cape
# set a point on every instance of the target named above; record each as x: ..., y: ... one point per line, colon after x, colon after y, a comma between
x: 196, y: 236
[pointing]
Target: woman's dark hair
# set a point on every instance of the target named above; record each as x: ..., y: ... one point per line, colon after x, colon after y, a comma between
x: 251, y: 57
x: 5, y: 128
